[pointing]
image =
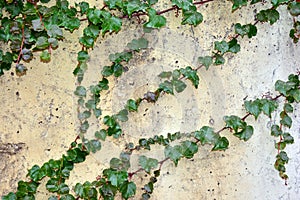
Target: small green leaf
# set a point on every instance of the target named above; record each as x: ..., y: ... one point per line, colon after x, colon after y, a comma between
x: 118, y: 69
x: 53, y: 31
x: 283, y: 156
x: 165, y: 74
x: 188, y: 149
x: 116, y: 178
x: 87, y: 41
x: 128, y: 189
x: 37, y: 25
x: 287, y: 138
x: 36, y: 173
x: 192, y: 75
x: 101, y: 134
x: 147, y: 163
x: 245, y: 134
x: 284, y: 87
x: 222, y: 46
x: 275, y: 130
x: 294, y: 8
x: 234, y: 122
x: 206, y: 61
x: 206, y: 135
x: 221, y: 144
x: 131, y: 105
x: 155, y: 21
x: 80, y: 91
x: 84, y: 6
x: 63, y: 189
x: 183, y: 4
x: 192, y: 17
x: 238, y: 3
x: 122, y: 115
x: 253, y: 107
x: 111, y: 24
x: 138, y: 44
x: 285, y: 120
x: 288, y: 108
x: 270, y: 15
x: 280, y: 145
x: 268, y: 106
x: 219, y: 59
x: 119, y: 57
x: 45, y: 56
x: 10, y: 196
x: 107, y: 71
x: 234, y: 47
x: 278, y: 2
x: 42, y: 43
x: 179, y: 85
x: 167, y: 87
x: 84, y: 126
x: 108, y: 191
x: 92, y: 31
x: 174, y: 153
x: 84, y: 115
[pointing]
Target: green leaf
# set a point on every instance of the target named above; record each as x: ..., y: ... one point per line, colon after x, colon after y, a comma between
x: 84, y: 126
x: 174, y: 153
x: 63, y: 189
x: 134, y: 6
x: 238, y: 3
x: 234, y: 122
x: 116, y: 178
x: 71, y: 24
x: 42, y: 43
x: 278, y: 2
x: 206, y: 61
x: 192, y: 17
x: 107, y: 71
x: 152, y: 2
x: 280, y: 145
x: 284, y: 87
x: 179, y: 85
x: 155, y: 21
x: 10, y: 196
x: 295, y: 93
x: 287, y: 138
x: 131, y: 105
x: 183, y: 4
x: 113, y: 4
x: 111, y: 24
x: 101, y: 134
x: 108, y: 191
x: 52, y: 185
x: 36, y: 173
x: 92, y: 31
x: 245, y: 134
x: 138, y: 44
x: 80, y: 91
x: 219, y: 60
x: 45, y: 56
x: 288, y: 108
x: 84, y: 6
x: 188, y: 149
x: 206, y: 135
x: 84, y: 115
x: 222, y: 46
x: 119, y: 57
x: 283, y: 157
x: 191, y: 74
x: 37, y: 25
x: 270, y: 15
x: 147, y: 163
x: 285, y: 120
x: 165, y: 74
x: 294, y: 8
x: 122, y: 115
x: 253, y: 107
x: 27, y: 55
x: 87, y: 41
x: 148, y: 187
x: 94, y: 15
x: 128, y: 189
x: 53, y: 31
x: 221, y: 144
x: 93, y: 145
x: 268, y: 106
x: 234, y: 47
x: 167, y: 87
x: 275, y: 130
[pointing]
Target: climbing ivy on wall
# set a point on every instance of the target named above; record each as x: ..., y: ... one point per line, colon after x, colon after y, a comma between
x: 36, y: 27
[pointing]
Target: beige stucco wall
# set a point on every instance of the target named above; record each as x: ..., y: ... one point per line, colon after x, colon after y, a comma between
x: 39, y: 109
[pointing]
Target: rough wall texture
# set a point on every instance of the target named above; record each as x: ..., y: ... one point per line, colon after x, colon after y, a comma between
x: 38, y: 114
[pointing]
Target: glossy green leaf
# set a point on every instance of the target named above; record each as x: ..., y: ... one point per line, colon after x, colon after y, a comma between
x: 268, y: 106
x: 269, y: 15
x: 116, y: 178
x: 111, y: 24
x: 284, y: 87
x: 87, y: 41
x: 288, y: 138
x: 234, y: 47
x: 63, y: 189
x: 206, y: 135
x: 92, y: 31
x: 36, y: 173
x: 167, y: 87
x: 134, y: 6
x: 84, y: 6
x: 42, y: 42
x: 285, y: 120
x: 288, y: 108
x: 246, y: 133
x: 10, y: 196
x: 54, y: 31
x: 119, y: 57
x: 108, y: 191
x: 278, y: 2
x: 234, y: 122
x: 253, y: 107
x: 147, y: 163
x: 294, y: 8
x: 192, y: 17
x: 84, y: 126
x: 191, y: 74
x: 155, y: 21
x: 183, y: 4
x: 131, y: 105
x: 275, y: 130
x: 165, y: 74
x: 37, y: 25
x: 174, y: 153
x: 219, y: 59
x: 188, y: 149
x: 138, y: 44
x: 222, y: 46
x: 221, y: 144
x: 107, y: 71
x: 45, y: 56
x: 128, y: 189
x: 238, y: 3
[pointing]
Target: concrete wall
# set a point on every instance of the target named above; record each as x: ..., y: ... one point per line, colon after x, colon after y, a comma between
x: 38, y: 110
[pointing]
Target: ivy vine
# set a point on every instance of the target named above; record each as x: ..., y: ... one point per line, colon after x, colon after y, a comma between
x: 35, y: 27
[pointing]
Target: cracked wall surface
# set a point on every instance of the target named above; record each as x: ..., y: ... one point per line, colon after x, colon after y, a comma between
x: 38, y: 114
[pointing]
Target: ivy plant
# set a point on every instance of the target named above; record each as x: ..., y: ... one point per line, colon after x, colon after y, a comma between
x: 36, y: 27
